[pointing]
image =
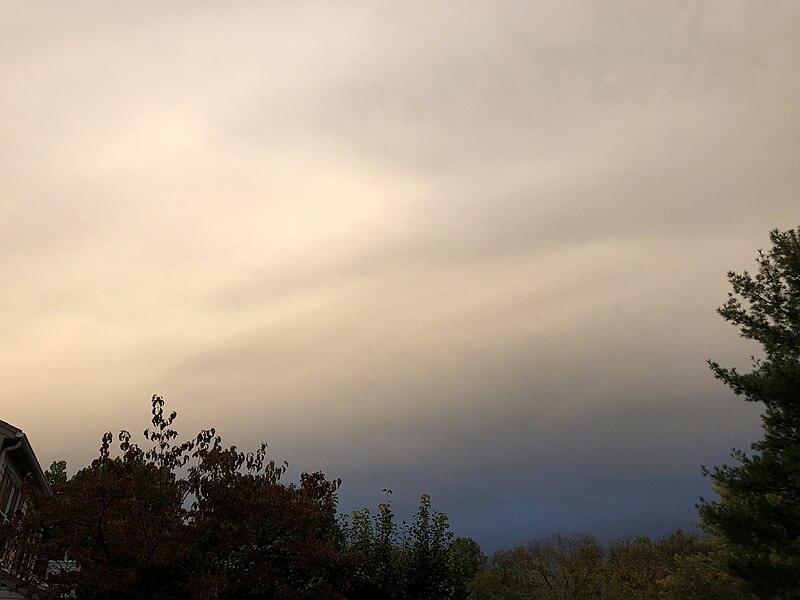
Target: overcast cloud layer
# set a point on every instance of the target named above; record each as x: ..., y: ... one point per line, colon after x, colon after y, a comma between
x: 469, y: 248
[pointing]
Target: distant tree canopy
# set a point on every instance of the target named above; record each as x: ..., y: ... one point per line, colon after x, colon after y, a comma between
x: 680, y: 566
x: 757, y: 516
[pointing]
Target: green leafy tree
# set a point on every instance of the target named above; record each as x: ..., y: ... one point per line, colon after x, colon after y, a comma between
x: 378, y: 559
x: 428, y: 544
x: 466, y: 561
x: 420, y: 562
x: 757, y: 515
x: 504, y: 577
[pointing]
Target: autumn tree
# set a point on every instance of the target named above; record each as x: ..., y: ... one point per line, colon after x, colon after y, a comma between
x: 145, y: 524
x: 757, y: 515
x: 121, y: 520
x: 253, y: 536
x: 56, y: 474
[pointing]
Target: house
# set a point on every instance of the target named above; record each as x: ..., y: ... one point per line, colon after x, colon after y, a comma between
x: 17, y: 461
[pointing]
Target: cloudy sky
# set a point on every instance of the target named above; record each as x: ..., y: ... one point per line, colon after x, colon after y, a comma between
x: 465, y: 248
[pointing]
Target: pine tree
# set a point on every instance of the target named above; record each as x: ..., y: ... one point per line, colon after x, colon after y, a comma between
x: 757, y: 515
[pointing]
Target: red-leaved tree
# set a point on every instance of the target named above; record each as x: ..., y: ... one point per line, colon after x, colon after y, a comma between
x: 182, y: 520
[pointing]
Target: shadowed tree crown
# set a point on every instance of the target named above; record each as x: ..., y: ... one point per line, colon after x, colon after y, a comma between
x: 757, y: 515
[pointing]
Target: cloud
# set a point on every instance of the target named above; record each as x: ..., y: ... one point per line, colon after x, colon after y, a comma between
x: 466, y: 248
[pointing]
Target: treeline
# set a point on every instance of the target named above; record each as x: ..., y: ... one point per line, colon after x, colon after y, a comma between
x: 680, y: 566
x: 198, y: 520
x: 422, y: 561
x: 121, y: 528
x: 754, y: 520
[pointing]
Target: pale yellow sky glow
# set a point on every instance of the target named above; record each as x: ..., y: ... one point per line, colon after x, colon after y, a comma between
x: 395, y: 240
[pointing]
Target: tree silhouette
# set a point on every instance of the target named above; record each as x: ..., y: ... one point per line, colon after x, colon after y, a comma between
x: 146, y: 525
x: 757, y: 515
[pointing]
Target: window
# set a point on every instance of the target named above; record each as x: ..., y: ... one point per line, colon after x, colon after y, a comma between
x: 9, y: 494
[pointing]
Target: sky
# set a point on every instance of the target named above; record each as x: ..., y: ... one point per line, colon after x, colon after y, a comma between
x: 472, y: 249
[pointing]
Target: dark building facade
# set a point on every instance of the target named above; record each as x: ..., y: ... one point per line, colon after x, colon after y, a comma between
x: 17, y: 462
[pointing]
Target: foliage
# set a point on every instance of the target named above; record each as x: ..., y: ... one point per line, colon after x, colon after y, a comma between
x: 427, y: 551
x: 255, y: 537
x: 757, y: 516
x: 634, y: 568
x: 557, y: 567
x: 465, y: 562
x: 380, y: 567
x: 56, y: 474
x: 695, y: 571
x: 420, y: 563
x: 146, y: 525
x: 680, y: 566
x: 198, y: 520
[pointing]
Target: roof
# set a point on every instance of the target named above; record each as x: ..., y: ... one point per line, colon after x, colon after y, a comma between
x: 8, y: 431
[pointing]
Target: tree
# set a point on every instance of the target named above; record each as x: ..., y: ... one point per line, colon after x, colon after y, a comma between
x: 757, y: 515
x: 505, y: 576
x: 693, y: 570
x: 121, y: 520
x: 634, y: 568
x: 466, y: 561
x: 558, y: 567
x: 679, y: 566
x: 421, y: 563
x: 255, y: 537
x: 427, y: 548
x: 379, y: 562
x: 56, y: 474
x: 144, y: 525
